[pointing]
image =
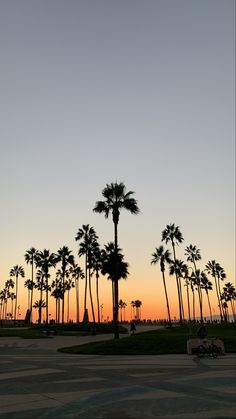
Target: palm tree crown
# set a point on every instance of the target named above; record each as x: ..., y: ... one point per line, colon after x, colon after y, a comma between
x: 116, y: 198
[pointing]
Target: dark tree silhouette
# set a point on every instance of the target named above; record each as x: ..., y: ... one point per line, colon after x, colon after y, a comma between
x: 116, y: 199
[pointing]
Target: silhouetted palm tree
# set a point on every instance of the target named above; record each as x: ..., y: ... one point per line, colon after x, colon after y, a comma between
x: 122, y: 306
x: 64, y: 255
x: 46, y: 260
x: 163, y: 256
x: 214, y: 269
x: 87, y: 236
x: 17, y: 271
x: 30, y: 257
x: 116, y: 198
x: 97, y: 267
x: 229, y: 295
x: 193, y: 255
x: 207, y: 286
x: 112, y: 262
x: 173, y: 234
x: 77, y: 274
x: 39, y: 304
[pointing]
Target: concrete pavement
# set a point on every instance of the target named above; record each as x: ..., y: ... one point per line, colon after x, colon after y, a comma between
x: 36, y: 381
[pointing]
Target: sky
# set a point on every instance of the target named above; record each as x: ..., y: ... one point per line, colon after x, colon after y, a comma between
x: 134, y: 91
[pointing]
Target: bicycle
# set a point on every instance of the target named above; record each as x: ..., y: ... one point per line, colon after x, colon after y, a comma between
x: 209, y: 349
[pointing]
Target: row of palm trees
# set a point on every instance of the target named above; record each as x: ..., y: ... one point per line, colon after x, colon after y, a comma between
x: 110, y: 261
x: 194, y: 279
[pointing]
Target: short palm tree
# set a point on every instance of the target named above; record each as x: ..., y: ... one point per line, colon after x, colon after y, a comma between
x: 214, y: 269
x: 46, y: 260
x: 229, y: 294
x: 39, y: 304
x: 112, y: 262
x: 163, y: 256
x: 206, y: 284
x: 17, y: 271
x: 173, y: 234
x: 30, y: 258
x: 115, y: 199
x: 77, y: 274
x: 64, y: 255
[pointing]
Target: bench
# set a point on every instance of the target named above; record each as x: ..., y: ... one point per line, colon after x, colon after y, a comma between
x: 194, y: 343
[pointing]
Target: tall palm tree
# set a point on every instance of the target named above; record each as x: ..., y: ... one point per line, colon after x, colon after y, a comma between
x: 17, y: 271
x: 46, y: 260
x: 87, y: 236
x: 77, y: 274
x: 116, y: 199
x: 163, y: 256
x: 64, y: 255
x: 30, y: 258
x: 173, y: 234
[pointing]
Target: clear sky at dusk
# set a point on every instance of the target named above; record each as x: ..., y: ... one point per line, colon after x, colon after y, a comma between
x: 139, y: 91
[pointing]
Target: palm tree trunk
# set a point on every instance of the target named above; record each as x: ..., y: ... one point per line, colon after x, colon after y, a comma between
x: 116, y: 290
x: 167, y: 301
x: 98, y: 304
x: 218, y: 297
x: 31, y: 300
x: 178, y: 290
x: 16, y: 296
x: 77, y: 299
x: 209, y: 305
x: 189, y: 315
x: 91, y: 297
x: 68, y: 306
x: 85, y: 287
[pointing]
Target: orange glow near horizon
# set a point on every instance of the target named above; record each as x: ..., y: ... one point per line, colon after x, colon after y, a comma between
x: 153, y: 303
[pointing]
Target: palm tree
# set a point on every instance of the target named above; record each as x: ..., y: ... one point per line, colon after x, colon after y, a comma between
x: 206, y: 284
x: 193, y: 255
x: 87, y: 236
x: 77, y: 274
x: 97, y: 267
x: 66, y: 258
x: 116, y: 198
x: 17, y: 271
x: 39, y: 304
x: 179, y: 269
x: 214, y: 269
x: 112, y: 262
x: 122, y: 305
x: 229, y: 294
x: 46, y: 260
x: 137, y: 305
x: 163, y: 256
x: 57, y: 292
x: 173, y: 234
x: 30, y: 257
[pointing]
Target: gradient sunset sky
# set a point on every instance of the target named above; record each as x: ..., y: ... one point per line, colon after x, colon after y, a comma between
x: 138, y: 91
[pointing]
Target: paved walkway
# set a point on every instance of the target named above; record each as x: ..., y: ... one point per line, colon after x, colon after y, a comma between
x: 36, y: 381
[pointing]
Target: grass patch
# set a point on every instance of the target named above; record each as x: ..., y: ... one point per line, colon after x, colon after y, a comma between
x: 70, y: 329
x: 164, y: 341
